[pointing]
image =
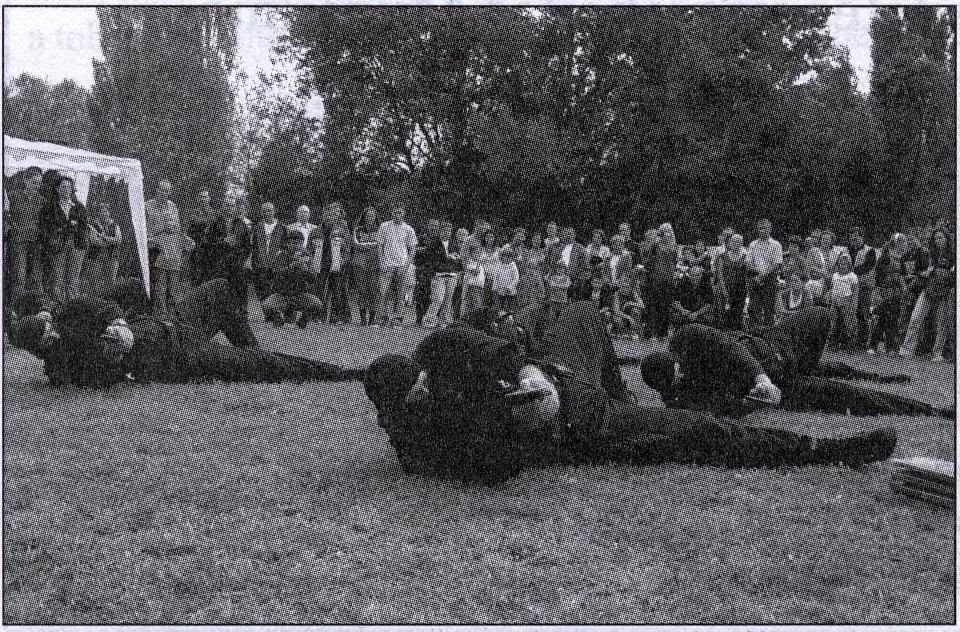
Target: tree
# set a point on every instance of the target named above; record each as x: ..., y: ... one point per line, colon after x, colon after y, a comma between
x: 33, y: 110
x: 912, y: 94
x: 162, y: 93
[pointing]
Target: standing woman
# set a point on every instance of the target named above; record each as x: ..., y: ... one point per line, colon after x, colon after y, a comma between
x: 661, y: 280
x: 531, y: 290
x: 888, y: 294
x: 731, y: 281
x: 64, y: 227
x: 934, y: 297
x: 366, y: 265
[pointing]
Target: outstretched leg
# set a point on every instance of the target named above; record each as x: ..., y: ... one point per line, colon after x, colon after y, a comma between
x: 832, y: 396
x: 230, y: 364
x: 658, y: 435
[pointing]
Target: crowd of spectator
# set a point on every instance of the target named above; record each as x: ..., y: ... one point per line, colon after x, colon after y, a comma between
x: 377, y: 271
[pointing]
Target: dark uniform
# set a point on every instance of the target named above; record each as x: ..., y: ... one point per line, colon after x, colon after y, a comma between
x: 171, y: 352
x: 719, y: 368
x: 465, y: 430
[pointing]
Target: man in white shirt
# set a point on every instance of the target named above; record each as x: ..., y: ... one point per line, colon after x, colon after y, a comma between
x: 268, y: 239
x: 303, y: 225
x: 397, y: 241
x: 765, y: 258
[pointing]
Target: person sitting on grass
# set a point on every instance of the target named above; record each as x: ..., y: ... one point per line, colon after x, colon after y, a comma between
x: 88, y: 343
x: 731, y: 372
x: 292, y: 287
x: 473, y: 407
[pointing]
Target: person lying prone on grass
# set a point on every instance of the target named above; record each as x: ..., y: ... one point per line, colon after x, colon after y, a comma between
x: 470, y: 406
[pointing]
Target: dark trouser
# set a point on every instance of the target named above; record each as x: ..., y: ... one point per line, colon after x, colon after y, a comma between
x: 886, y: 328
x: 421, y: 294
x: 217, y: 306
x: 231, y: 364
x: 763, y: 301
x: 336, y: 298
x: 658, y: 435
x: 733, y: 319
x: 26, y: 263
x: 262, y: 282
x: 831, y: 396
x: 659, y: 306
x: 864, y: 302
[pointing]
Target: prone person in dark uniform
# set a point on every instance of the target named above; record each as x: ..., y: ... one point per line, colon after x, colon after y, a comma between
x: 471, y: 407
x: 90, y: 344
x: 732, y: 373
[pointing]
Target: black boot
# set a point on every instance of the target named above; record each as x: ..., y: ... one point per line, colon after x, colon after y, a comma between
x: 866, y: 447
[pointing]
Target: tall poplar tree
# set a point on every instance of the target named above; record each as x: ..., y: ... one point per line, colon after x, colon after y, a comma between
x: 162, y: 93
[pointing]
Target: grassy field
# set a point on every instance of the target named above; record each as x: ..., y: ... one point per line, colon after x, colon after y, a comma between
x: 284, y: 504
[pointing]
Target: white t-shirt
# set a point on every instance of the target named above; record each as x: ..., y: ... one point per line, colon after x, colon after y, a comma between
x: 304, y: 229
x: 396, y: 241
x: 843, y: 285
x: 565, y: 254
x: 268, y: 228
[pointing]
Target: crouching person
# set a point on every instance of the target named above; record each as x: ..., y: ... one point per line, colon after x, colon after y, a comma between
x: 292, y: 287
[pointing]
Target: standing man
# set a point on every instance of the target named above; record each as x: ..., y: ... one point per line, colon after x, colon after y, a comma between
x: 765, y: 258
x: 268, y: 239
x: 398, y: 242
x: 864, y: 260
x: 201, y: 225
x: 165, y: 239
x: 26, y: 207
x: 574, y: 256
x: 232, y: 246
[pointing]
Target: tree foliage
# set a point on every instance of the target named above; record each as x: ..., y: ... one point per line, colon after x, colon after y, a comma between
x: 913, y: 95
x: 162, y: 93
x: 594, y: 115
x: 36, y: 111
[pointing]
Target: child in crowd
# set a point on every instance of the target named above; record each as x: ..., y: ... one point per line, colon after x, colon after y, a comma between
x: 292, y: 287
x: 558, y: 289
x: 103, y: 250
x: 794, y: 297
x: 844, y: 292
x: 504, y: 277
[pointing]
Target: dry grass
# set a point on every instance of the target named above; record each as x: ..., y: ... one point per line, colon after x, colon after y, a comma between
x: 284, y: 504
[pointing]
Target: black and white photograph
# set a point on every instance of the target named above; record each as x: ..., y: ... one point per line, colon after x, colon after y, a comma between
x: 462, y: 314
